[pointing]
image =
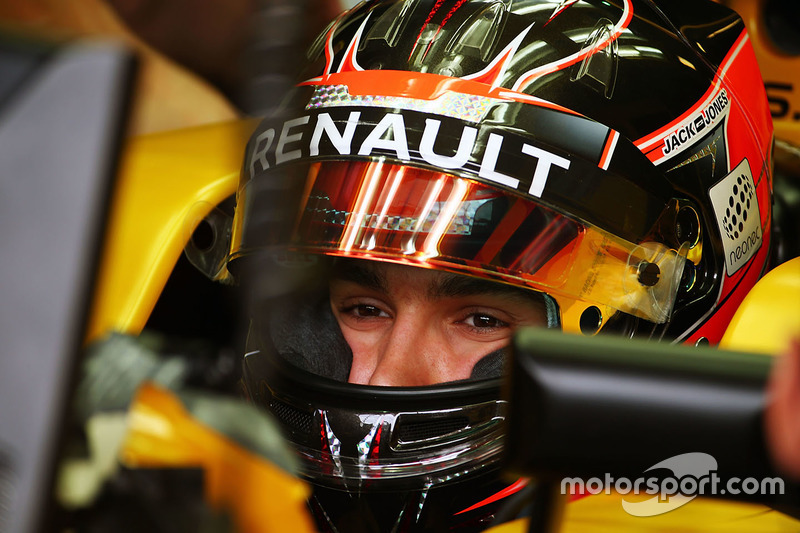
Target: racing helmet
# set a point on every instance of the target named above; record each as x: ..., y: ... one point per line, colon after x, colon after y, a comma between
x: 610, y: 156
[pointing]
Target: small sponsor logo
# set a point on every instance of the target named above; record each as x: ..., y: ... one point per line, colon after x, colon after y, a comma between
x: 736, y: 208
x: 707, y: 117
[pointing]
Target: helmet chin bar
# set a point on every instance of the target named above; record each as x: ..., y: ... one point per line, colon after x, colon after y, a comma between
x: 353, y: 437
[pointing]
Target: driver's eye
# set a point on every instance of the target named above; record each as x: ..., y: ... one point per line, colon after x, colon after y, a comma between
x: 367, y: 311
x: 485, y: 321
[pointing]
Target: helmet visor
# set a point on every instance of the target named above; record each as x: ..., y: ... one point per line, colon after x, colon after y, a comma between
x: 385, y: 211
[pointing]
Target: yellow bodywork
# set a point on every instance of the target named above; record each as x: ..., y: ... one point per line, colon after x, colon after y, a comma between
x: 168, y: 182
x: 258, y: 495
x: 769, y: 316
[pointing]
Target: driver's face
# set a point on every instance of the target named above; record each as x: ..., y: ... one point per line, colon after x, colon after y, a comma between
x: 409, y: 326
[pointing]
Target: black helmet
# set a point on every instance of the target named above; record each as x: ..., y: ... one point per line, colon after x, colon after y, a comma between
x: 612, y: 157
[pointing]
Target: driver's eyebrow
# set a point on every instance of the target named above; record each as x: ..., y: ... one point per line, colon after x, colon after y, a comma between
x: 360, y: 275
x: 446, y: 285
x: 453, y: 286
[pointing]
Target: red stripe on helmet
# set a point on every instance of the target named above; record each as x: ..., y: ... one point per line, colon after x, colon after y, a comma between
x: 517, y: 486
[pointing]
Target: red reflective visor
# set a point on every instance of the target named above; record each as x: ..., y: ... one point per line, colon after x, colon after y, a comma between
x: 385, y: 211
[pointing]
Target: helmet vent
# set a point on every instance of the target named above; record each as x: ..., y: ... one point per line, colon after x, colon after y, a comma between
x: 598, y: 69
x: 425, y: 430
x: 389, y: 27
x: 292, y: 417
x: 477, y: 37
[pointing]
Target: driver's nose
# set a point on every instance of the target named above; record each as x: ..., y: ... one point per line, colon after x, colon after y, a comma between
x: 412, y: 353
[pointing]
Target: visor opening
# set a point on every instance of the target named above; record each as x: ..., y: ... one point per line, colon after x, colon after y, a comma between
x: 204, y: 236
x: 688, y: 277
x: 591, y: 320
x: 687, y: 226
